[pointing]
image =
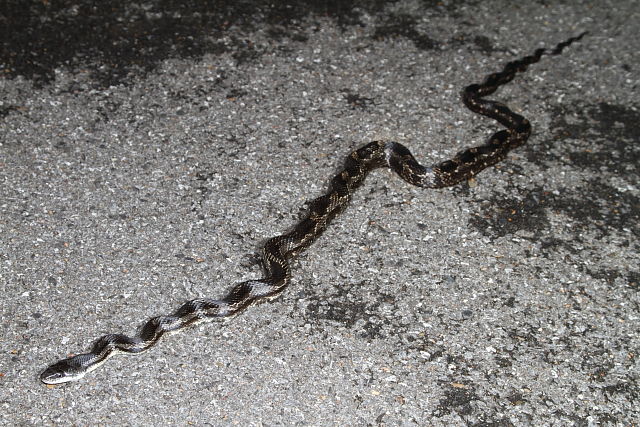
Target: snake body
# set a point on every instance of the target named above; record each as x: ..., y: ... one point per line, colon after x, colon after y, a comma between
x: 278, y: 250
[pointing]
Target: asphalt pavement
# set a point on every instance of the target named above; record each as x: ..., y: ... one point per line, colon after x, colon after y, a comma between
x: 147, y: 152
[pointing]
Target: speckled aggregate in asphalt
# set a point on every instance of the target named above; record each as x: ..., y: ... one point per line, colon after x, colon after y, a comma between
x: 146, y: 153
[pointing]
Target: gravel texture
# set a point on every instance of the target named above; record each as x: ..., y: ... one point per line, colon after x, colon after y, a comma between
x: 147, y: 152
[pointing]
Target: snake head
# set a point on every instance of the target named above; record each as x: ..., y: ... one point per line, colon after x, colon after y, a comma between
x: 63, y: 371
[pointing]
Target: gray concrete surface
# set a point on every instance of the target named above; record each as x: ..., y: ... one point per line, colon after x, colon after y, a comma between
x: 135, y: 179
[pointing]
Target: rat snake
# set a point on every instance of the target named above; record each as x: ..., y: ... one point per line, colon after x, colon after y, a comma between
x: 321, y: 211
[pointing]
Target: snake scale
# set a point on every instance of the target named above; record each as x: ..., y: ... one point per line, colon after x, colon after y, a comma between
x: 321, y: 211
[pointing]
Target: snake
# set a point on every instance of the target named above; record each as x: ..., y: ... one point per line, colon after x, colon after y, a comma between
x: 278, y: 250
